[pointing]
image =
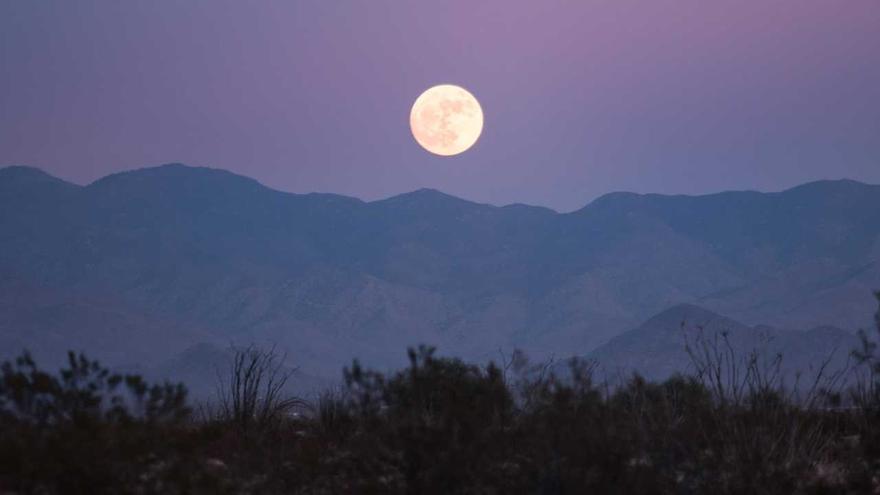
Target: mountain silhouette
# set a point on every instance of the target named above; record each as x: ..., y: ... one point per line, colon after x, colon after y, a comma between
x: 141, y: 265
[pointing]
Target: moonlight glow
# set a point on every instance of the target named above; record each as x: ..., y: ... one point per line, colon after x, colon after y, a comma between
x: 446, y: 120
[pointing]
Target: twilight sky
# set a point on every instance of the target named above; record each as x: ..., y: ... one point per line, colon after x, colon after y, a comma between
x: 580, y: 97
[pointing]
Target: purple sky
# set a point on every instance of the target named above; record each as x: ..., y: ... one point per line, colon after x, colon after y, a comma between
x: 581, y: 97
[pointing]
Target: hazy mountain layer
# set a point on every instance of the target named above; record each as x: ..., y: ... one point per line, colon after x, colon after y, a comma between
x: 687, y: 338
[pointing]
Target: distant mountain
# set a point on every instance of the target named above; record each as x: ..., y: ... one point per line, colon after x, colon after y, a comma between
x: 658, y: 348
x: 140, y: 265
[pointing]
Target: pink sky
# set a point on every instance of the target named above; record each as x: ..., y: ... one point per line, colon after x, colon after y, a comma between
x: 581, y: 98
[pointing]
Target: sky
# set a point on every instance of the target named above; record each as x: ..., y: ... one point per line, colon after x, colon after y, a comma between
x: 581, y: 98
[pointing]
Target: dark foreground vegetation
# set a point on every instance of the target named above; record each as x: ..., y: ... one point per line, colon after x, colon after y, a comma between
x: 442, y: 426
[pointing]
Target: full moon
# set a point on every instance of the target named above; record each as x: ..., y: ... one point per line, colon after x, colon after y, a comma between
x: 446, y: 120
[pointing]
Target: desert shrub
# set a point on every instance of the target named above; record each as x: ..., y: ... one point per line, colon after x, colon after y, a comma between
x: 441, y: 425
x: 334, y: 419
x: 442, y: 418
x: 571, y: 438
x: 866, y: 392
x: 865, y: 398
x: 84, y: 392
x: 86, y: 429
x: 251, y: 392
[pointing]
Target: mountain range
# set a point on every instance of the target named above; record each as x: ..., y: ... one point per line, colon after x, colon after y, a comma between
x: 140, y: 267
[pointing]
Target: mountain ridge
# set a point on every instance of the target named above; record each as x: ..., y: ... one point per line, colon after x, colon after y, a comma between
x: 843, y: 182
x: 332, y: 277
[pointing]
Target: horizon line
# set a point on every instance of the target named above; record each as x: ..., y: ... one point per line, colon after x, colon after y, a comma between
x: 427, y: 189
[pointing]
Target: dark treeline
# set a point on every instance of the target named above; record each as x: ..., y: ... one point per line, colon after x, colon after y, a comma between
x: 441, y: 426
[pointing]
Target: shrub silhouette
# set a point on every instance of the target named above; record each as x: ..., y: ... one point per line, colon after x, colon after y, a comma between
x: 251, y: 393
x: 85, y: 429
x: 442, y: 425
x: 443, y: 417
